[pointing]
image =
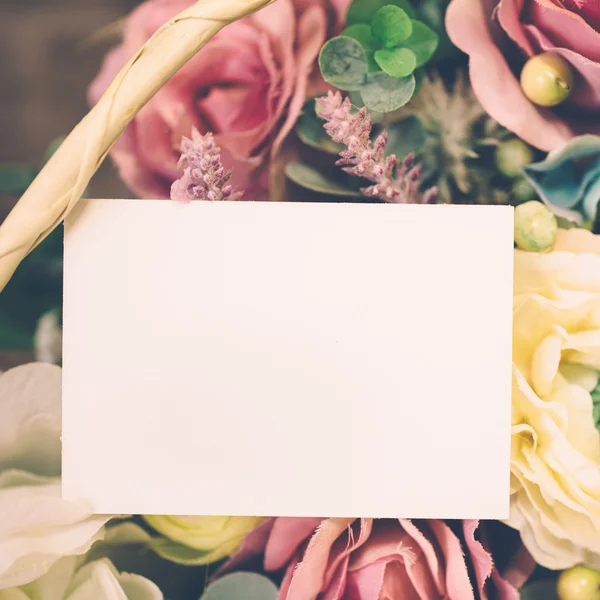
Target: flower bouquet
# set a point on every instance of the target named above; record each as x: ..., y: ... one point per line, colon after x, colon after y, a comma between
x: 399, y: 101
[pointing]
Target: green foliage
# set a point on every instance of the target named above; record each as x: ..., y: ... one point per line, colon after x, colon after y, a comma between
x: 385, y: 94
x: 343, y: 63
x: 406, y: 136
x: 397, y: 62
x: 363, y: 11
x: 596, y: 400
x: 391, y: 26
x: 310, y: 178
x: 383, y: 41
x: 241, y: 586
x: 309, y: 129
x: 15, y: 179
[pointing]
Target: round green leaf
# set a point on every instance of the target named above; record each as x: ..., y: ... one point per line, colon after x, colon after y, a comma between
x: 363, y: 35
x: 397, y: 62
x: 423, y: 41
x: 363, y: 11
x: 314, y: 180
x: 384, y: 93
x: 241, y: 586
x: 391, y: 26
x: 343, y: 63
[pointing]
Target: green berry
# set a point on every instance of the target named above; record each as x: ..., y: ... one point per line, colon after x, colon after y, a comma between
x: 547, y: 79
x: 535, y: 227
x: 512, y: 156
x: 579, y: 583
x: 522, y: 191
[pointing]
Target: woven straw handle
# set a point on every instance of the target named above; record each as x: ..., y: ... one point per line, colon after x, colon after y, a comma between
x: 60, y: 184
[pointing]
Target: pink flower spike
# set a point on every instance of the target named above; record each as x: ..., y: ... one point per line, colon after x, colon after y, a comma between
x: 395, y: 181
x: 204, y: 177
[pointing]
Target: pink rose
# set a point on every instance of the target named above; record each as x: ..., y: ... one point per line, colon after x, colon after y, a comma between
x: 500, y: 35
x: 247, y: 86
x: 384, y: 559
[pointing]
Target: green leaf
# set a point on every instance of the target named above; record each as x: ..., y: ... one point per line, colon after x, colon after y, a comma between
x: 423, y: 41
x: 406, y: 136
x: 386, y: 94
x: 15, y: 179
x: 363, y: 11
x: 363, y: 34
x: 241, y: 586
x: 397, y: 62
x: 391, y: 26
x: 309, y: 129
x: 311, y: 179
x: 540, y: 590
x: 343, y: 63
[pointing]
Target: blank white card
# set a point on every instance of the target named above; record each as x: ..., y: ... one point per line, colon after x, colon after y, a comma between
x: 288, y: 359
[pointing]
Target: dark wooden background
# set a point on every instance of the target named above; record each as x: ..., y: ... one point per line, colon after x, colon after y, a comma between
x: 49, y: 52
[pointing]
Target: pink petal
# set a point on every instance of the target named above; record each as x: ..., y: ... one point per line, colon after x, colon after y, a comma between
x: 312, y: 29
x: 397, y: 584
x: 309, y: 576
x: 564, y: 27
x: 366, y: 583
x: 458, y: 584
x: 287, y: 534
x: 336, y: 589
x: 481, y: 559
x: 493, y: 82
x: 509, y: 17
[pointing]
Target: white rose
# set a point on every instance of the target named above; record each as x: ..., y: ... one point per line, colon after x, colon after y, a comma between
x: 37, y: 527
x: 98, y: 580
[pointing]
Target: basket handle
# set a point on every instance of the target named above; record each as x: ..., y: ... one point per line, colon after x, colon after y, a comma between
x: 60, y: 184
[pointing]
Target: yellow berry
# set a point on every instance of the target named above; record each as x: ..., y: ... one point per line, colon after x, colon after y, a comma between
x: 579, y: 583
x: 512, y: 156
x: 535, y: 227
x: 547, y: 79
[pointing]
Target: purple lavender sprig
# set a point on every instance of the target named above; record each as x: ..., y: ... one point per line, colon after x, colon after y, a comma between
x: 393, y: 180
x: 204, y: 177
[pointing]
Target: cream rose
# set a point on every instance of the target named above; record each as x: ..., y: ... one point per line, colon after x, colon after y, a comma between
x: 37, y: 527
x: 555, y: 495
x: 100, y: 580
x: 199, y: 540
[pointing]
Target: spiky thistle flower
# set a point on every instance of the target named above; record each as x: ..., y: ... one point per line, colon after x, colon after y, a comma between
x: 204, y: 177
x: 458, y: 132
x: 394, y: 180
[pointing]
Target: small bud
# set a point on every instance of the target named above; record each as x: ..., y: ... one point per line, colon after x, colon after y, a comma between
x: 512, y: 156
x: 535, y: 227
x: 579, y: 583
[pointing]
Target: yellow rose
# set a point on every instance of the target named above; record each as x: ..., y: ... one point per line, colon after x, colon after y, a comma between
x: 200, y: 540
x: 555, y: 463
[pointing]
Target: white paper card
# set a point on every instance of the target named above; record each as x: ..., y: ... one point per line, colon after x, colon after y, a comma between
x: 288, y: 359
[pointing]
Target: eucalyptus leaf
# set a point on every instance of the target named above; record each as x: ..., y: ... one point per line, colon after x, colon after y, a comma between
x: 363, y: 34
x: 433, y: 14
x: 391, y: 26
x: 363, y: 11
x: 343, y: 63
x: 242, y: 586
x: 568, y: 180
x: 397, y: 62
x: 312, y: 179
x: 15, y: 179
x: 423, y: 41
x: 406, y: 136
x: 310, y: 131
x: 386, y: 94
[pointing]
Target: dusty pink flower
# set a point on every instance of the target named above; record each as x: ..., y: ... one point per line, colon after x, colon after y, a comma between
x: 384, y: 559
x: 500, y: 35
x: 247, y: 86
x: 396, y: 181
x: 204, y: 177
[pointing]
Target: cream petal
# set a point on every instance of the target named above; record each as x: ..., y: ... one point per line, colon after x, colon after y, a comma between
x: 30, y: 418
